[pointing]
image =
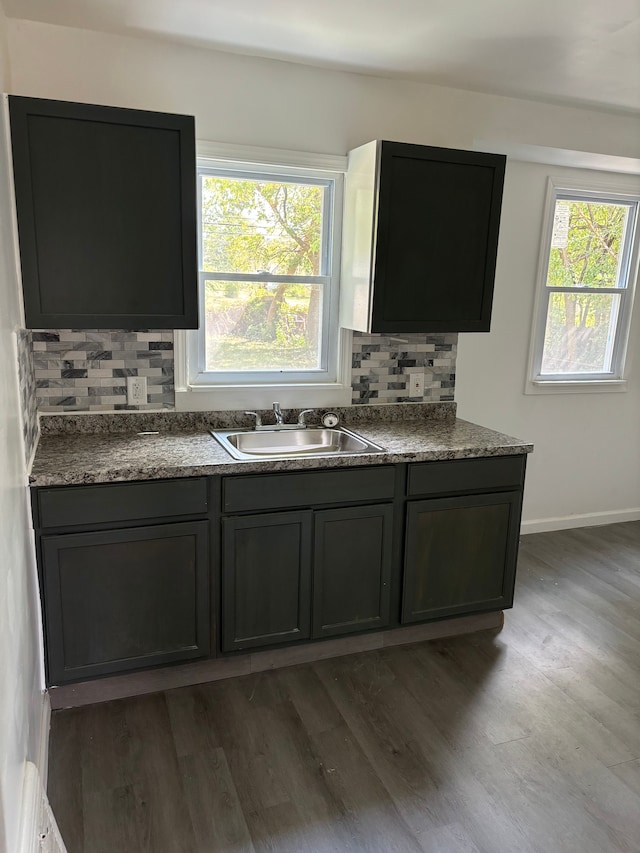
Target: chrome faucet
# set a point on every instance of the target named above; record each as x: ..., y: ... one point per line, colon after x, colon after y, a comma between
x: 256, y: 415
x: 279, y: 419
x: 301, y: 420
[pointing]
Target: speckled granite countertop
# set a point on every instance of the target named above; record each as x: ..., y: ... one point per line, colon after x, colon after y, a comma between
x: 104, y: 457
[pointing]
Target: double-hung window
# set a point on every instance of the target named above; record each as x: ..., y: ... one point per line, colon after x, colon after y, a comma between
x: 588, y: 267
x: 269, y: 261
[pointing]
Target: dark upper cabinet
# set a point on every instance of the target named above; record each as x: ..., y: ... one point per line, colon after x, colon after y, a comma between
x: 106, y: 209
x: 420, y: 238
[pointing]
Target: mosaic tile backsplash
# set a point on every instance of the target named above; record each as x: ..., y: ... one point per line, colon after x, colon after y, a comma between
x: 82, y: 371
x: 381, y: 367
x: 26, y: 379
x: 79, y: 371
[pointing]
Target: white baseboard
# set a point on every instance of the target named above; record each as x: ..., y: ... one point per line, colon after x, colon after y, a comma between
x: 38, y: 829
x: 587, y: 519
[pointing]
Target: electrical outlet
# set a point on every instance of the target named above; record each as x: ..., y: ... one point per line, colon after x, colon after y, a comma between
x: 416, y: 385
x: 136, y: 390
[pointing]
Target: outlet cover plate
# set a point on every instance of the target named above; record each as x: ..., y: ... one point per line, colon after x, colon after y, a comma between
x: 136, y: 390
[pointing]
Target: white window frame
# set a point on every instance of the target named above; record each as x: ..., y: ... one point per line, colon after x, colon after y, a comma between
x: 330, y: 385
x: 615, y: 380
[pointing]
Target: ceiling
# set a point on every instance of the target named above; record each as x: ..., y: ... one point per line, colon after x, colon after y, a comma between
x: 571, y: 51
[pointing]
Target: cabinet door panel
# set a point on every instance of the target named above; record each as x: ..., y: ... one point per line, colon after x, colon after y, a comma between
x: 106, y: 201
x: 266, y: 579
x: 352, y: 569
x: 119, y: 600
x: 460, y: 555
x: 435, y: 266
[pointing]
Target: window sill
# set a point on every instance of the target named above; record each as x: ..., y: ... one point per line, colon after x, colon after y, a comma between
x: 233, y: 397
x: 575, y: 386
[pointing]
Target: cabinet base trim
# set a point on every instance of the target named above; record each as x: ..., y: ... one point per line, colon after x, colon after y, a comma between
x: 168, y: 678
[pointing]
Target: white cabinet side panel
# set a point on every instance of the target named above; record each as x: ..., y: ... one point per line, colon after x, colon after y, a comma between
x: 357, y: 240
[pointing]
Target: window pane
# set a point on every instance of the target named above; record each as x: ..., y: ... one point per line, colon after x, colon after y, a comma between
x: 586, y: 244
x: 261, y: 226
x: 580, y: 332
x: 262, y: 326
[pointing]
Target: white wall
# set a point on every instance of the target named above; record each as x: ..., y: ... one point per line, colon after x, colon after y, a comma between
x: 20, y: 684
x: 255, y: 101
x: 587, y: 447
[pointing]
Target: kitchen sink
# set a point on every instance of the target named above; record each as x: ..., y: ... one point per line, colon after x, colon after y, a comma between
x: 293, y: 443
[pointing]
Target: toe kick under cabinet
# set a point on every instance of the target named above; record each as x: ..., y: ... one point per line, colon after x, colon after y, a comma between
x: 141, y: 574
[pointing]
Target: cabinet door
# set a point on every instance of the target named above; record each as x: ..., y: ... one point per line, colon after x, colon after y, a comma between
x: 352, y: 569
x: 106, y: 209
x: 266, y: 579
x: 437, y: 239
x: 460, y: 555
x: 125, y: 599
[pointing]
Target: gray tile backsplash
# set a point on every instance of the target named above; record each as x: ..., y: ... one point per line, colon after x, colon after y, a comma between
x: 381, y: 366
x: 86, y: 371
x: 26, y: 379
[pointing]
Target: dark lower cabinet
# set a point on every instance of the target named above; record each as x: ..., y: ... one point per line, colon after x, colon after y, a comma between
x: 266, y: 579
x: 117, y: 600
x: 352, y: 569
x: 269, y: 595
x: 460, y: 555
x: 330, y: 564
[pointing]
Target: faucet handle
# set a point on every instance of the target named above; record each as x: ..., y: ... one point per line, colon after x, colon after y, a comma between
x: 301, y: 421
x: 257, y: 417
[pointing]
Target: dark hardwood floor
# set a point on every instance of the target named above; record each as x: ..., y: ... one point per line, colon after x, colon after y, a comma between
x: 527, y: 740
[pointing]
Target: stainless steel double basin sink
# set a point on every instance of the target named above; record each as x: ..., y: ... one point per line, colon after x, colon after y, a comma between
x: 293, y: 443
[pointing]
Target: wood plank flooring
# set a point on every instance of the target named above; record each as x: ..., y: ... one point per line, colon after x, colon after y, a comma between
x: 527, y: 740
